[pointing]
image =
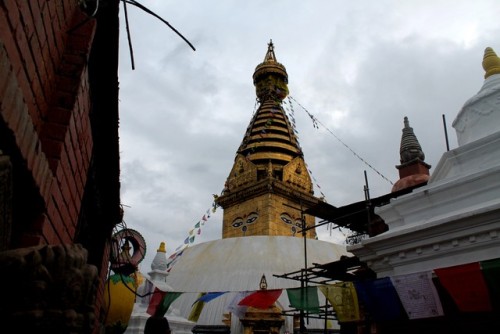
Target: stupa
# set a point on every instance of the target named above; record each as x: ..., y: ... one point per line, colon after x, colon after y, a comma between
x: 264, y: 230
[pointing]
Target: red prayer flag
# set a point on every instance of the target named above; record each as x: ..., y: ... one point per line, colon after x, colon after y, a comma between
x: 466, y: 286
x: 155, y: 300
x: 261, y: 299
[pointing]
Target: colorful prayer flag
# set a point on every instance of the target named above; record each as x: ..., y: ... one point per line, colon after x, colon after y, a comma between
x: 209, y: 296
x: 261, y: 299
x: 418, y: 295
x: 155, y: 300
x: 466, y: 285
x: 198, y: 305
x: 174, y: 260
x: 491, y: 273
x: 165, y: 303
x: 380, y: 299
x: 344, y: 300
x: 304, y: 298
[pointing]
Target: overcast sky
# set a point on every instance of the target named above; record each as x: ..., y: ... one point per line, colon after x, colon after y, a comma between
x: 359, y: 67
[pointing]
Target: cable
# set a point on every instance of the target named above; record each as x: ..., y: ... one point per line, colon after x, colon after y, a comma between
x: 147, y: 10
x: 129, y: 38
x: 315, y: 124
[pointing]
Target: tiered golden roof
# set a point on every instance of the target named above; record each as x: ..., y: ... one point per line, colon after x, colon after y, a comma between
x: 269, y: 173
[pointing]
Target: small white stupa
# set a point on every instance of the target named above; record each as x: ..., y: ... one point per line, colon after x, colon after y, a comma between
x: 157, y: 279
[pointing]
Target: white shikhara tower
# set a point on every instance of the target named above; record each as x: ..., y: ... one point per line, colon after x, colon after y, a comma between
x: 455, y: 218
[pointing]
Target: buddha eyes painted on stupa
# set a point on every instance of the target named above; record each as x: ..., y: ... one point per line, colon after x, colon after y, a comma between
x: 252, y: 217
x: 242, y: 222
x: 296, y: 224
x: 286, y: 218
x: 237, y: 222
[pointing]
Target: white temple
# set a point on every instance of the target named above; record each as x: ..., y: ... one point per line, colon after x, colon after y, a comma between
x: 454, y: 219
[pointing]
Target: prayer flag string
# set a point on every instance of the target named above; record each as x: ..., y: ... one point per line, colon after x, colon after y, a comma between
x: 407, y: 296
x: 315, y: 125
x: 192, y: 233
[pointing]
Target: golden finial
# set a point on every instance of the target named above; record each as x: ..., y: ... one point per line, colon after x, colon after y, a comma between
x: 491, y: 62
x: 263, y: 282
x: 162, y: 248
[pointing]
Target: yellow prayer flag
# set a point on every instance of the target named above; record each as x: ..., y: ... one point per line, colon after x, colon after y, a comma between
x: 196, y: 309
x: 344, y: 300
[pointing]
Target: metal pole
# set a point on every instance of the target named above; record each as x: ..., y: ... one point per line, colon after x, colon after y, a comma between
x: 326, y: 316
x: 368, y: 204
x: 446, y: 134
x: 303, y: 282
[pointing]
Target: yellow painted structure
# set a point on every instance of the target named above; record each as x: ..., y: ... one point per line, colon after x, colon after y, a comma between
x: 119, y: 299
x: 491, y: 62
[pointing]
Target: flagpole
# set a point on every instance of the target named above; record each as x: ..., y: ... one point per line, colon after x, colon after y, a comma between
x: 303, y: 282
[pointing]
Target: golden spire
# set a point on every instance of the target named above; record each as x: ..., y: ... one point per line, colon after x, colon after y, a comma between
x: 491, y: 62
x: 270, y: 56
x: 162, y: 248
x: 270, y: 66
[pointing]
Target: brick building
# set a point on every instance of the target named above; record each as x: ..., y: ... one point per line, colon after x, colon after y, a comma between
x: 59, y: 161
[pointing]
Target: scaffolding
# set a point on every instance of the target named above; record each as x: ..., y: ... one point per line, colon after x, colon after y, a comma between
x: 361, y: 220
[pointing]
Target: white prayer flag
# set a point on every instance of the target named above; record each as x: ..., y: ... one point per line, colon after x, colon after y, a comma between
x: 418, y: 295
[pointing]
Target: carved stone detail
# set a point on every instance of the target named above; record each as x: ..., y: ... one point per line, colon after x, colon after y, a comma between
x: 48, y: 289
x: 268, y: 320
x: 243, y: 173
x: 295, y: 176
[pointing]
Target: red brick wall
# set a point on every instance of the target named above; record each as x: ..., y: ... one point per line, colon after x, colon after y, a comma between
x: 61, y: 139
x: 45, y: 102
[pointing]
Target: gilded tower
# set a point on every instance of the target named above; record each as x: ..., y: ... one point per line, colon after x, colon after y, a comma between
x: 269, y: 185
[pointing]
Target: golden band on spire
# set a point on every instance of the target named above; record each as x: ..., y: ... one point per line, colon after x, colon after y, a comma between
x: 270, y: 77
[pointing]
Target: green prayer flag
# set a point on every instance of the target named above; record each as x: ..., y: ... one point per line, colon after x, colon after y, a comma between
x: 304, y: 298
x: 491, y: 274
x: 165, y: 303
